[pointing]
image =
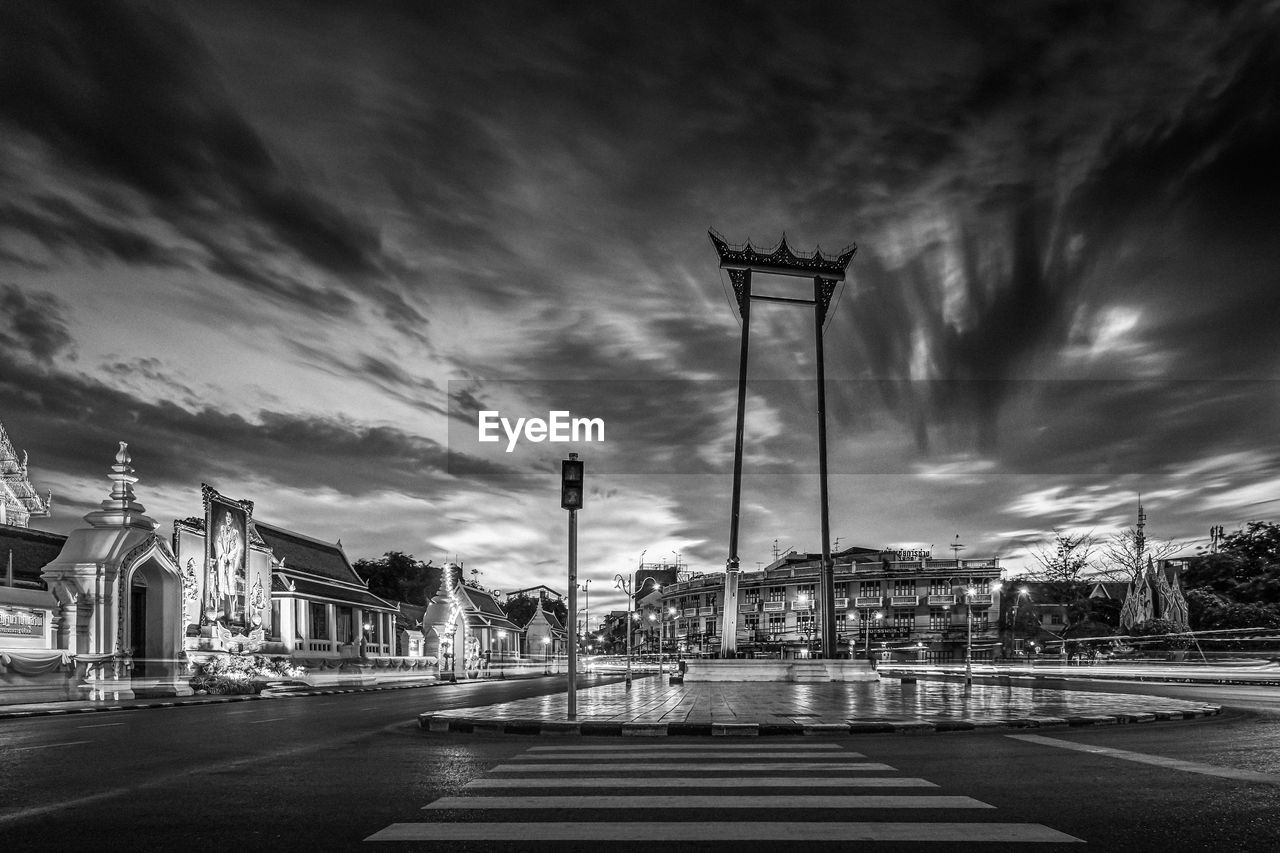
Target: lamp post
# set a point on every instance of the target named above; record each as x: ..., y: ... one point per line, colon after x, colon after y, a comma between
x: 502, y: 642
x: 624, y: 583
x: 662, y: 633
x: 878, y: 617
x: 969, y: 592
x: 1023, y: 592
x: 364, y: 641
x: 546, y: 655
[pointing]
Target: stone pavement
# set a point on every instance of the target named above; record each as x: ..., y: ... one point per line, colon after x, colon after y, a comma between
x: 654, y: 707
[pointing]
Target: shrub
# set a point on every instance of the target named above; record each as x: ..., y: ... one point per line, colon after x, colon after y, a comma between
x: 240, y: 674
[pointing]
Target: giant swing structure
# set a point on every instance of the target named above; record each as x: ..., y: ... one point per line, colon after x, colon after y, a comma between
x: 740, y: 262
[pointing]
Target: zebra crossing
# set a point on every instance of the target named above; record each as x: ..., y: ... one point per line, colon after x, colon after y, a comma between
x: 599, y: 792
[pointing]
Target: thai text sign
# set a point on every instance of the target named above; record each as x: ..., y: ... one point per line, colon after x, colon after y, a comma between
x: 21, y: 622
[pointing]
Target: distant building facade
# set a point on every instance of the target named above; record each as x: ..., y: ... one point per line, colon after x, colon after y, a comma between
x: 896, y: 604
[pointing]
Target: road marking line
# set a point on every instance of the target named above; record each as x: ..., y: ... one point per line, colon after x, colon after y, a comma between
x: 623, y: 766
x: 244, y: 711
x: 657, y: 753
x: 49, y: 745
x: 831, y: 831
x: 675, y: 747
x: 721, y: 801
x: 1157, y: 760
x: 606, y: 782
x: 99, y: 725
x: 268, y: 720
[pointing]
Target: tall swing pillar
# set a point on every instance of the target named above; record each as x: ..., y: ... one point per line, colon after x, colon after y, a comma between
x: 826, y: 272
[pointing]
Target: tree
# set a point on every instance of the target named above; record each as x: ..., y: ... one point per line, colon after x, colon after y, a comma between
x: 1237, y: 586
x: 521, y: 608
x: 399, y: 577
x: 1126, y: 555
x: 1062, y: 573
x: 1245, y: 568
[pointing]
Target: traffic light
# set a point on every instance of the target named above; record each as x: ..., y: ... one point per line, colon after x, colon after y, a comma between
x: 571, y: 482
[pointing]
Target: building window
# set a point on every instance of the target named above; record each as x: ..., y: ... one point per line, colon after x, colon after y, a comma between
x: 842, y: 623
x: 939, y: 618
x: 710, y: 626
x: 346, y: 626
x: 275, y: 619
x: 940, y: 586
x: 1055, y: 618
x: 777, y: 623
x: 904, y: 587
x: 869, y: 589
x: 709, y: 600
x: 319, y: 621
x: 777, y: 593
x: 981, y: 620
x: 903, y: 617
x: 751, y: 621
x: 842, y: 589
x: 804, y: 623
x: 805, y: 591
x: 753, y: 595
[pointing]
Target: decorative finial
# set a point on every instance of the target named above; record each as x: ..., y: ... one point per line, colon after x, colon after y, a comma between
x: 122, y: 477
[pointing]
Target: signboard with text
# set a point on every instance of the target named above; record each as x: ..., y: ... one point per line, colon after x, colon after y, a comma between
x: 21, y: 622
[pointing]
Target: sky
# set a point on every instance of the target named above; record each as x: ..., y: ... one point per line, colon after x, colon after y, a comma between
x: 293, y: 249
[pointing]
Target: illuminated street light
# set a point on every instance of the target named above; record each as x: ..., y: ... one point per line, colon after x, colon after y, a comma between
x: 878, y: 617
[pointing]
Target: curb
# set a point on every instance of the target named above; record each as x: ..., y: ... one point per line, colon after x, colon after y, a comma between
x: 181, y: 702
x: 449, y: 723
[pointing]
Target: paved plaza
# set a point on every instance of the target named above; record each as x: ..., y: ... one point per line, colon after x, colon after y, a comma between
x: 653, y: 706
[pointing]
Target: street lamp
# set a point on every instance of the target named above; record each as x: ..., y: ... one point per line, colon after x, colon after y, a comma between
x: 1023, y: 592
x: 662, y: 631
x: 364, y: 641
x: 969, y: 592
x: 803, y: 600
x: 546, y: 655
x: 502, y: 642
x: 878, y: 617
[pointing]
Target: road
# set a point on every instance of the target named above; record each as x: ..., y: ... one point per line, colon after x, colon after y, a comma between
x: 329, y: 772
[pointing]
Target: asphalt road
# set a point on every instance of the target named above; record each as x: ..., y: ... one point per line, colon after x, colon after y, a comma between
x: 329, y: 772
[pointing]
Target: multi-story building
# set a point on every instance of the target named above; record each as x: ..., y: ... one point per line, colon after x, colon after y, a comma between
x: 896, y: 604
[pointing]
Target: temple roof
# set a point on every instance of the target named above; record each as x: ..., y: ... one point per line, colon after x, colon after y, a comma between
x: 19, y: 500
x: 304, y: 554
x: 32, y: 550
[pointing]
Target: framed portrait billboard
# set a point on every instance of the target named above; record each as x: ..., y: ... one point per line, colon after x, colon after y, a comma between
x: 226, y: 559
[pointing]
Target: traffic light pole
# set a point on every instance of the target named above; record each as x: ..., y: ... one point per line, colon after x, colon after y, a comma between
x: 573, y: 608
x: 572, y: 491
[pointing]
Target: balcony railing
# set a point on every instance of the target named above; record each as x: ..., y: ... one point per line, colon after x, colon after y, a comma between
x: 707, y: 611
x: 842, y: 604
x: 807, y: 604
x: 869, y: 600
x: 748, y: 606
x: 775, y: 606
x: 941, y: 600
x: 981, y: 599
x: 904, y: 600
x: 689, y: 611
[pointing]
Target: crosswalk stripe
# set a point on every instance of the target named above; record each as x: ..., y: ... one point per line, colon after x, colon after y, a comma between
x: 702, y: 765
x: 721, y: 801
x: 677, y: 747
x: 830, y: 831
x: 657, y: 753
x: 606, y: 782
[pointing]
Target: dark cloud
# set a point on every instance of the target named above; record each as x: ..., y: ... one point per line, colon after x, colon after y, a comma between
x: 126, y: 93
x: 60, y: 225
x: 71, y: 423
x: 417, y: 390
x: 32, y: 325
